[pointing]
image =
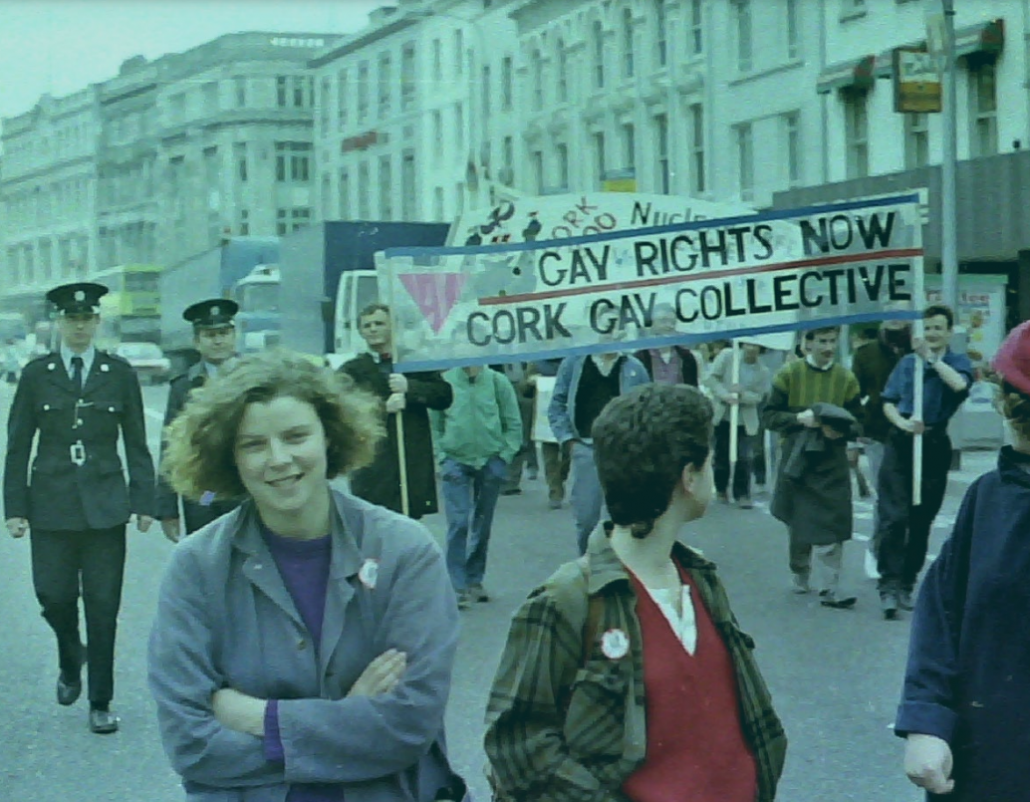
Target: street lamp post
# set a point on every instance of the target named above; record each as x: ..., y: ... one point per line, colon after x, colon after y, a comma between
x: 949, y: 212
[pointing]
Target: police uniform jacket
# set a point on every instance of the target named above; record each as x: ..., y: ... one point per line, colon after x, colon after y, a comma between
x: 194, y: 515
x: 76, y: 481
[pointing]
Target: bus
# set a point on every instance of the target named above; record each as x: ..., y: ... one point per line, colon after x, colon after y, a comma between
x: 131, y: 310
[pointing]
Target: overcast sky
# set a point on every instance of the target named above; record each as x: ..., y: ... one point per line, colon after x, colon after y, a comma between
x: 60, y: 46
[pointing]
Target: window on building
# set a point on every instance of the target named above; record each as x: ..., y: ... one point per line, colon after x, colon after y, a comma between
x: 385, y: 188
x: 487, y: 93
x: 281, y: 93
x: 438, y: 204
x: 742, y: 14
x: 629, y: 147
x: 917, y: 141
x: 661, y: 138
x: 344, y: 195
x: 746, y: 161
x: 562, y: 64
x: 299, y: 218
x: 342, y: 98
x: 536, y: 160
x: 562, y: 152
x: 293, y: 162
x: 244, y: 224
x: 696, y: 29
x: 409, y: 207
x: 597, y: 41
x: 437, y: 60
x: 385, y: 84
x: 459, y: 125
x: 983, y: 106
x: 211, y: 100
x: 507, y: 83
x: 362, y: 92
x: 627, y: 43
x: 323, y: 103
x: 437, y: 117
x: 302, y: 92
x: 240, y: 84
x: 661, y: 34
x: 508, y: 153
x: 240, y: 152
x: 600, y: 159
x: 364, y: 188
x: 459, y: 51
x: 793, y: 29
x: 856, y: 132
x: 792, y: 146
x: 407, y: 76
x: 536, y: 67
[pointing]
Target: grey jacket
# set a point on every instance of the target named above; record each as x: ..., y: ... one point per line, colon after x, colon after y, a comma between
x: 225, y: 619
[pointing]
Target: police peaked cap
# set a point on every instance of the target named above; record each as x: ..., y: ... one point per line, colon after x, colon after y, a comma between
x: 80, y: 298
x: 216, y: 313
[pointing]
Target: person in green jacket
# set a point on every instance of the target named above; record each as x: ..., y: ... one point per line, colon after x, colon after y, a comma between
x: 476, y: 439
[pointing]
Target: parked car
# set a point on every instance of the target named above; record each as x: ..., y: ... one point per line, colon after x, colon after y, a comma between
x: 149, y: 361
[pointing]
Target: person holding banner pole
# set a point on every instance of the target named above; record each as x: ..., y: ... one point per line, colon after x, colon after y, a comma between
x: 583, y: 386
x: 813, y: 484
x: 407, y: 399
x: 741, y: 392
x: 904, y: 518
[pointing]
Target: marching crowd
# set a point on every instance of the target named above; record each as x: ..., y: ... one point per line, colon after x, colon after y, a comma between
x: 304, y: 637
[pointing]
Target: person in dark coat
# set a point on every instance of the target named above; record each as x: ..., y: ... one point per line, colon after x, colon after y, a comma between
x: 671, y: 364
x: 966, y: 693
x: 872, y: 365
x: 214, y: 336
x: 409, y: 395
x: 813, y: 490
x: 74, y: 499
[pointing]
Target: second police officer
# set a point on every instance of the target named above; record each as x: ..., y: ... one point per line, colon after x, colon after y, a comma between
x: 214, y: 336
x: 74, y: 497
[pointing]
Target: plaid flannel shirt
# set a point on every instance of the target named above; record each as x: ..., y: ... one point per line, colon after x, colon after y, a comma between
x: 535, y: 755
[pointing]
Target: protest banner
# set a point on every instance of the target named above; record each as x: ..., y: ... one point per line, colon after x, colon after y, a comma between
x: 731, y: 277
x: 550, y: 217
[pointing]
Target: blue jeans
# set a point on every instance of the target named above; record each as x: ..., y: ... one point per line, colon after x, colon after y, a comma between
x: 586, y: 497
x: 470, y: 498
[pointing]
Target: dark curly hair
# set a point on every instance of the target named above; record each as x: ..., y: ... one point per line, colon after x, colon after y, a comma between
x: 642, y: 442
x: 1015, y: 406
x: 200, y: 444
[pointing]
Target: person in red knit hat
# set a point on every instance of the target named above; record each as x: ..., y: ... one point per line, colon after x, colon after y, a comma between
x: 964, y: 705
x: 626, y: 677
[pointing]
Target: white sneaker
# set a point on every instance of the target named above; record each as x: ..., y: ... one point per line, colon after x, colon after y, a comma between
x: 871, y: 569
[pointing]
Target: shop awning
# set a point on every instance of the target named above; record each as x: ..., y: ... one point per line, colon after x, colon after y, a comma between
x: 983, y: 37
x: 854, y: 74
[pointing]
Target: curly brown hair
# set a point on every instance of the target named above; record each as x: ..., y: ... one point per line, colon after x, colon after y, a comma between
x: 1015, y: 406
x: 199, y: 454
x: 642, y: 442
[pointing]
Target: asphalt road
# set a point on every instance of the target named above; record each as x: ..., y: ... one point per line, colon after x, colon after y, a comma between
x: 835, y: 675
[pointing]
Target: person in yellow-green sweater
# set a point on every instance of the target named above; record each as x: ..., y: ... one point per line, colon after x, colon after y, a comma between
x: 476, y: 438
x: 815, y: 406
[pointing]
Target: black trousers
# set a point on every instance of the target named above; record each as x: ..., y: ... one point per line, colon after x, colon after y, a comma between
x: 94, y: 560
x: 904, y: 531
x: 742, y: 468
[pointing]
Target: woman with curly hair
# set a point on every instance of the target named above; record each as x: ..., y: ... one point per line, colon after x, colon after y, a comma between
x: 966, y: 695
x: 606, y: 661
x: 303, y: 643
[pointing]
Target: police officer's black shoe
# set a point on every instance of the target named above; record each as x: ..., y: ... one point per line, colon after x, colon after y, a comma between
x: 69, y: 689
x: 102, y: 722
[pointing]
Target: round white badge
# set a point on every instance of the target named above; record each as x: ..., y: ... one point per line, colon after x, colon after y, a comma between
x: 103, y: 367
x: 369, y: 573
x: 615, y: 644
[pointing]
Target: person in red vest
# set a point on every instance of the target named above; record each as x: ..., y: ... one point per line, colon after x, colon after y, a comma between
x: 607, y: 660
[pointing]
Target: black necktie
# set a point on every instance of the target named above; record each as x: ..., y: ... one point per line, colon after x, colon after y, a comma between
x: 77, y: 372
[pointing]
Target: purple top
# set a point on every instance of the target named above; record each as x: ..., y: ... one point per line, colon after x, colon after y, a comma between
x: 304, y: 567
x: 670, y: 372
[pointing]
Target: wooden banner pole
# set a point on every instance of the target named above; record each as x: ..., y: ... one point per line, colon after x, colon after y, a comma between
x: 402, y: 458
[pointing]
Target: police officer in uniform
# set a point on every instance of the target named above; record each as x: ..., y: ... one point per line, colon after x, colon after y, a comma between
x: 214, y: 335
x: 74, y: 499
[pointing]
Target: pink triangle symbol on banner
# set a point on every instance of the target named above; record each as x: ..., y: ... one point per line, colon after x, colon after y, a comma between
x: 435, y: 293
